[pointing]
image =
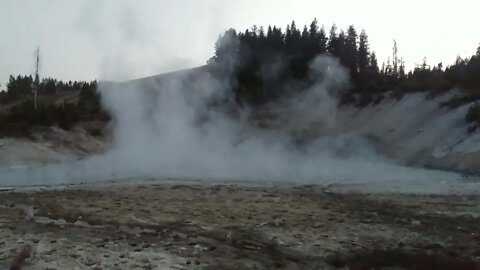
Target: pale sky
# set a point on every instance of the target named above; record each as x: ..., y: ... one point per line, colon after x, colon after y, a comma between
x: 124, y: 39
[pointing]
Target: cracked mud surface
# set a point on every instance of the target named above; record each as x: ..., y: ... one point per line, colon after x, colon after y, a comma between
x: 227, y: 226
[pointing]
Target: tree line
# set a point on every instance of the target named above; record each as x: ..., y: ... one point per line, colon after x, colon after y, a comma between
x: 21, y: 86
x: 264, y: 64
x: 86, y: 105
x: 251, y: 51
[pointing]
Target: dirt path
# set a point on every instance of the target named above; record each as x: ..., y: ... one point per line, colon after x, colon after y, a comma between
x: 168, y: 226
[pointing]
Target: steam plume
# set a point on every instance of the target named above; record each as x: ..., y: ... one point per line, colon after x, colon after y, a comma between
x: 168, y: 126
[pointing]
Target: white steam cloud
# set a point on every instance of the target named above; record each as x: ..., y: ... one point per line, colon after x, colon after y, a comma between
x: 172, y: 126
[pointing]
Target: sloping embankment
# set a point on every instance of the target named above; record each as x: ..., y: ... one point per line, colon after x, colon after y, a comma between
x: 418, y: 131
x: 48, y: 145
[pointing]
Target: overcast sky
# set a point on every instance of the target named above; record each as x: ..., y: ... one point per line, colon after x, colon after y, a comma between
x: 123, y: 39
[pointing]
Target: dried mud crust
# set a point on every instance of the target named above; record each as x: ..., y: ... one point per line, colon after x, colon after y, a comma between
x: 165, y: 226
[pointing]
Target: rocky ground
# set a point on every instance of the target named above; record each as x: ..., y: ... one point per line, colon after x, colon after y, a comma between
x: 177, y: 225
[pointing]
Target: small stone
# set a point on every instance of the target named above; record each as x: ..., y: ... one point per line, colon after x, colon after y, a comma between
x: 416, y: 222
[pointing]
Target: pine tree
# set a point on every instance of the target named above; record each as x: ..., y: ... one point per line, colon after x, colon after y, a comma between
x: 373, y: 65
x: 296, y: 38
x: 322, y: 41
x: 314, y: 42
x: 269, y: 31
x: 332, y: 45
x: 401, y: 69
x: 313, y: 31
x: 278, y: 39
x: 305, y: 43
x: 363, y: 53
x: 351, y: 50
x: 261, y: 34
x: 341, y: 48
x: 288, y: 39
x: 269, y: 39
x: 318, y: 39
x: 226, y: 47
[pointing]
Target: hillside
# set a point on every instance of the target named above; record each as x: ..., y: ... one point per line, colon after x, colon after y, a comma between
x: 416, y: 130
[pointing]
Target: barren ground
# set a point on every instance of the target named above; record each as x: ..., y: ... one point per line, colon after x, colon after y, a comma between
x: 165, y: 225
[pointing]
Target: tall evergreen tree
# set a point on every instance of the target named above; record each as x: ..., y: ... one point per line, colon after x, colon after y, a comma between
x: 305, y: 41
x: 313, y: 31
x: 373, y: 65
x: 332, y: 46
x: 340, y: 48
x: 226, y: 47
x: 322, y: 41
x: 261, y: 34
x: 275, y: 39
x: 296, y: 39
x: 288, y: 39
x: 318, y: 39
x: 351, y: 50
x: 314, y: 42
x: 363, y: 53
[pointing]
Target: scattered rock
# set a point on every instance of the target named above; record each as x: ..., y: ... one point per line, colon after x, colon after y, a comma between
x: 416, y: 222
